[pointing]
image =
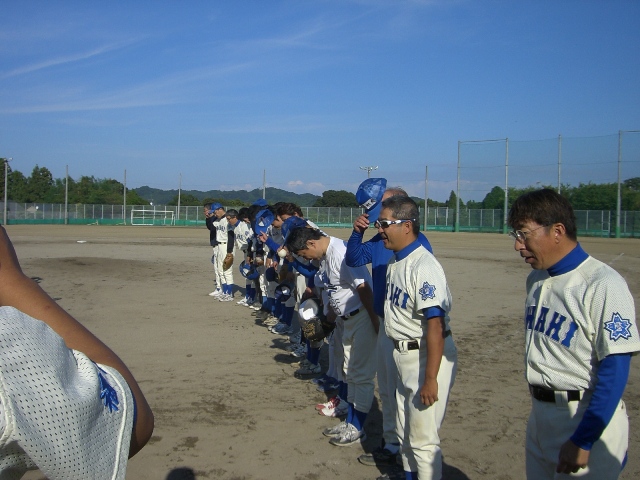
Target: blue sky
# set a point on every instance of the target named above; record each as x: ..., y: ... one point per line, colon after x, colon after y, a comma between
x: 215, y: 92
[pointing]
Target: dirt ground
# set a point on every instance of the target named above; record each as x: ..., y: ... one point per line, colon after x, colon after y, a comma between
x: 226, y: 403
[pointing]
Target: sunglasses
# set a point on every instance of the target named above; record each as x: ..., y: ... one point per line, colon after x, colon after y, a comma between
x: 387, y: 223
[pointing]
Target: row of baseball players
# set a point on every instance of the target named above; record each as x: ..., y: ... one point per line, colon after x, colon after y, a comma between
x: 580, y: 334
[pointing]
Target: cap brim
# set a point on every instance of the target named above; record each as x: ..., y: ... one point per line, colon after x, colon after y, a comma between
x: 374, y: 213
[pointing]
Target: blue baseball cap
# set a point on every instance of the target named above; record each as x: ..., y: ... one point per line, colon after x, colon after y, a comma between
x: 264, y: 218
x: 369, y: 196
x: 270, y: 274
x: 291, y: 223
x: 215, y: 206
x: 261, y: 202
x: 283, y: 291
x: 248, y: 271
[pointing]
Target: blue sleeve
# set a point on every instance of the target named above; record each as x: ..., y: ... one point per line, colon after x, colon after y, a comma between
x: 305, y: 270
x: 612, y: 380
x: 358, y: 253
x: 425, y: 242
x: 433, y: 312
x: 271, y: 243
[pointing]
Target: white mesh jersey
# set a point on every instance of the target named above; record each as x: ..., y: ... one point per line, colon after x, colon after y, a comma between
x: 221, y: 229
x: 339, y: 281
x: 573, y: 321
x: 414, y: 283
x: 242, y: 233
x: 54, y: 418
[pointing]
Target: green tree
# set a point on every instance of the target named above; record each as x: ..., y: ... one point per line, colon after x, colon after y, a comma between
x: 451, y: 203
x: 18, y: 189
x: 336, y: 198
x: 632, y: 184
x: 39, y: 184
x: 494, y: 199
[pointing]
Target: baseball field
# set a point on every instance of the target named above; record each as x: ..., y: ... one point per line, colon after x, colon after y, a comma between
x: 226, y: 403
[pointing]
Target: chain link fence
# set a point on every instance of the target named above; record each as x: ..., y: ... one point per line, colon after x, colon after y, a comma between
x: 600, y: 223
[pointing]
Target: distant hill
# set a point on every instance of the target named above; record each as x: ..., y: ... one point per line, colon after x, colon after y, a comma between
x: 273, y: 195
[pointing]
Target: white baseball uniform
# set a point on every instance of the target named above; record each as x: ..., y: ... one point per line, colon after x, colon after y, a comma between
x: 415, y: 282
x: 242, y: 234
x: 339, y: 283
x: 223, y: 277
x: 574, y: 319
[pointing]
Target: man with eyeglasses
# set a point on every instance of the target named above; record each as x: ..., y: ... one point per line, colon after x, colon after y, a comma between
x: 370, y: 195
x: 580, y: 333
x: 416, y: 318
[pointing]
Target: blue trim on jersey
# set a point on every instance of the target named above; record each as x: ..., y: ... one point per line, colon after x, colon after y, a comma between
x: 406, y: 251
x: 612, y: 379
x: 374, y: 252
x: 431, y: 312
x: 569, y: 262
x: 612, y: 376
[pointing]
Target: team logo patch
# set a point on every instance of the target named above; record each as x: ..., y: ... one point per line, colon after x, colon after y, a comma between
x: 427, y: 291
x: 369, y: 203
x: 618, y: 327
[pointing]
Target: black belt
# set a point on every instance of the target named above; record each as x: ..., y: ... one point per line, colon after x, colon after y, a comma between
x: 409, y: 344
x: 545, y: 395
x: 413, y: 344
x: 349, y: 315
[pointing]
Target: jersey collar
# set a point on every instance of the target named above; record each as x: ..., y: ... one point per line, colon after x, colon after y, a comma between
x: 407, y: 250
x: 569, y: 262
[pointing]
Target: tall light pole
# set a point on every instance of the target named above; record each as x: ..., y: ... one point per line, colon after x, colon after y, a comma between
x: 368, y: 169
x: 179, y: 191
x: 124, y: 199
x: 66, y: 195
x: 6, y: 183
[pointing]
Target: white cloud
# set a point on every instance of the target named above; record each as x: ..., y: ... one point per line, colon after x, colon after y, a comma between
x: 66, y: 59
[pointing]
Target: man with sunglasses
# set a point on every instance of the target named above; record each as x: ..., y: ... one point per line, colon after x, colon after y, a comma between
x: 370, y: 195
x: 580, y: 333
x: 416, y: 318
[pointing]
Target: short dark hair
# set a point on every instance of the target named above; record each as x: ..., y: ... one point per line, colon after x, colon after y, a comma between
x: 207, y: 206
x: 545, y: 207
x: 252, y: 211
x: 298, y: 237
x: 286, y: 208
x: 242, y: 213
x: 232, y: 212
x: 404, y: 208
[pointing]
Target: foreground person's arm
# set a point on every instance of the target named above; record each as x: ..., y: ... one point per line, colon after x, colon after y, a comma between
x: 19, y: 291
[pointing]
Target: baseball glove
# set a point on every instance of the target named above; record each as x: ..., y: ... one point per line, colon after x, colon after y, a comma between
x: 227, y: 262
x: 317, y: 328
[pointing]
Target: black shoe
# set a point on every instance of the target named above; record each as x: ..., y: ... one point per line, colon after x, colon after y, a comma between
x: 379, y: 457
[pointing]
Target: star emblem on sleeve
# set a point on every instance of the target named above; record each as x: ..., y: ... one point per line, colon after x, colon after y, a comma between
x: 427, y: 291
x: 618, y: 327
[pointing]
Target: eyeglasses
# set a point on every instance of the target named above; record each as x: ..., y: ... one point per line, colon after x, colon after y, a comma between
x: 387, y: 223
x: 521, y: 235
